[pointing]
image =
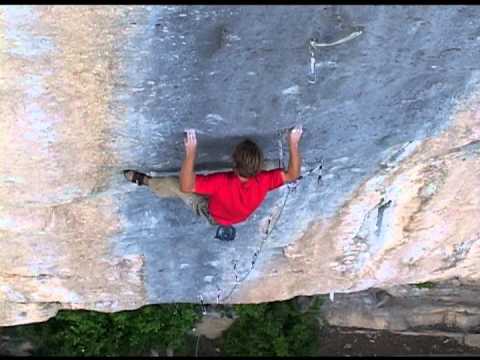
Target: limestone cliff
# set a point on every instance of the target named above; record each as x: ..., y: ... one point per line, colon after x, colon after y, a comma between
x: 390, y: 193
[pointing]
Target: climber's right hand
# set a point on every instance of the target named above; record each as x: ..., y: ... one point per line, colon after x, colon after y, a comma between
x: 190, y: 141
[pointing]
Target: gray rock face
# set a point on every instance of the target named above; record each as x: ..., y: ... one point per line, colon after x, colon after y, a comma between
x: 89, y: 91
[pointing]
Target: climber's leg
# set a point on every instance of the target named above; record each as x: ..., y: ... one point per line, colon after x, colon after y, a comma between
x: 169, y: 187
x: 136, y: 177
x: 201, y: 208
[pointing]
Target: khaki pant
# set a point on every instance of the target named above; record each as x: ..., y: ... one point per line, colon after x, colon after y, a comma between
x: 169, y: 187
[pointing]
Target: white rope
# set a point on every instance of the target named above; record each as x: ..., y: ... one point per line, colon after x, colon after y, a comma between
x: 313, y: 44
x: 353, y: 35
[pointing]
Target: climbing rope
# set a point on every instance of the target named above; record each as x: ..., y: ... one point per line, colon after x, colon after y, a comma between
x: 269, y: 229
x: 271, y: 224
x: 313, y: 44
x: 292, y: 187
x: 280, y: 147
x: 257, y: 253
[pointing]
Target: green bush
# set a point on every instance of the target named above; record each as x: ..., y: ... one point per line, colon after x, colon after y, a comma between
x: 273, y: 329
x: 269, y: 329
x: 425, y: 285
x: 90, y: 333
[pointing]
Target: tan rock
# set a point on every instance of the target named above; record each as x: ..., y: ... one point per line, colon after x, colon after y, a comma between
x: 428, y: 232
x: 54, y: 231
x: 472, y: 340
x: 414, y: 220
x: 212, y: 326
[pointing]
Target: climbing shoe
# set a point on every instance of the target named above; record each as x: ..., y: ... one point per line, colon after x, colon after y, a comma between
x: 137, y: 177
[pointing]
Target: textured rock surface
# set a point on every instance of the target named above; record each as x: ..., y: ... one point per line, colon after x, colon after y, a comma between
x: 448, y: 306
x: 88, y: 91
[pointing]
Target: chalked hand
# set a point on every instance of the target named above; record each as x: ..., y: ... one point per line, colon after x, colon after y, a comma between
x: 190, y: 141
x: 295, y: 135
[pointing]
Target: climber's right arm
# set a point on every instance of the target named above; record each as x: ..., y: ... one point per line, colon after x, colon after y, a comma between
x: 295, y: 161
x: 187, y: 172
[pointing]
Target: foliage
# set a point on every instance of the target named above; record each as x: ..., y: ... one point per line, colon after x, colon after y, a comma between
x: 273, y: 329
x: 425, y: 285
x: 268, y: 329
x: 90, y: 333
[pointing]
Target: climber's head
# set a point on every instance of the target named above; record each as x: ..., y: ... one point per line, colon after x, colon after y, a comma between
x: 247, y: 158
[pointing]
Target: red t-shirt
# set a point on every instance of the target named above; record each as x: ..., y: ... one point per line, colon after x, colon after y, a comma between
x: 232, y: 201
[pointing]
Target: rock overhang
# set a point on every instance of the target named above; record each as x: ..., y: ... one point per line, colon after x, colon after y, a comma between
x: 117, y: 85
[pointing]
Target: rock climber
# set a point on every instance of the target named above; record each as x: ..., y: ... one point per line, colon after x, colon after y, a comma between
x: 228, y: 197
